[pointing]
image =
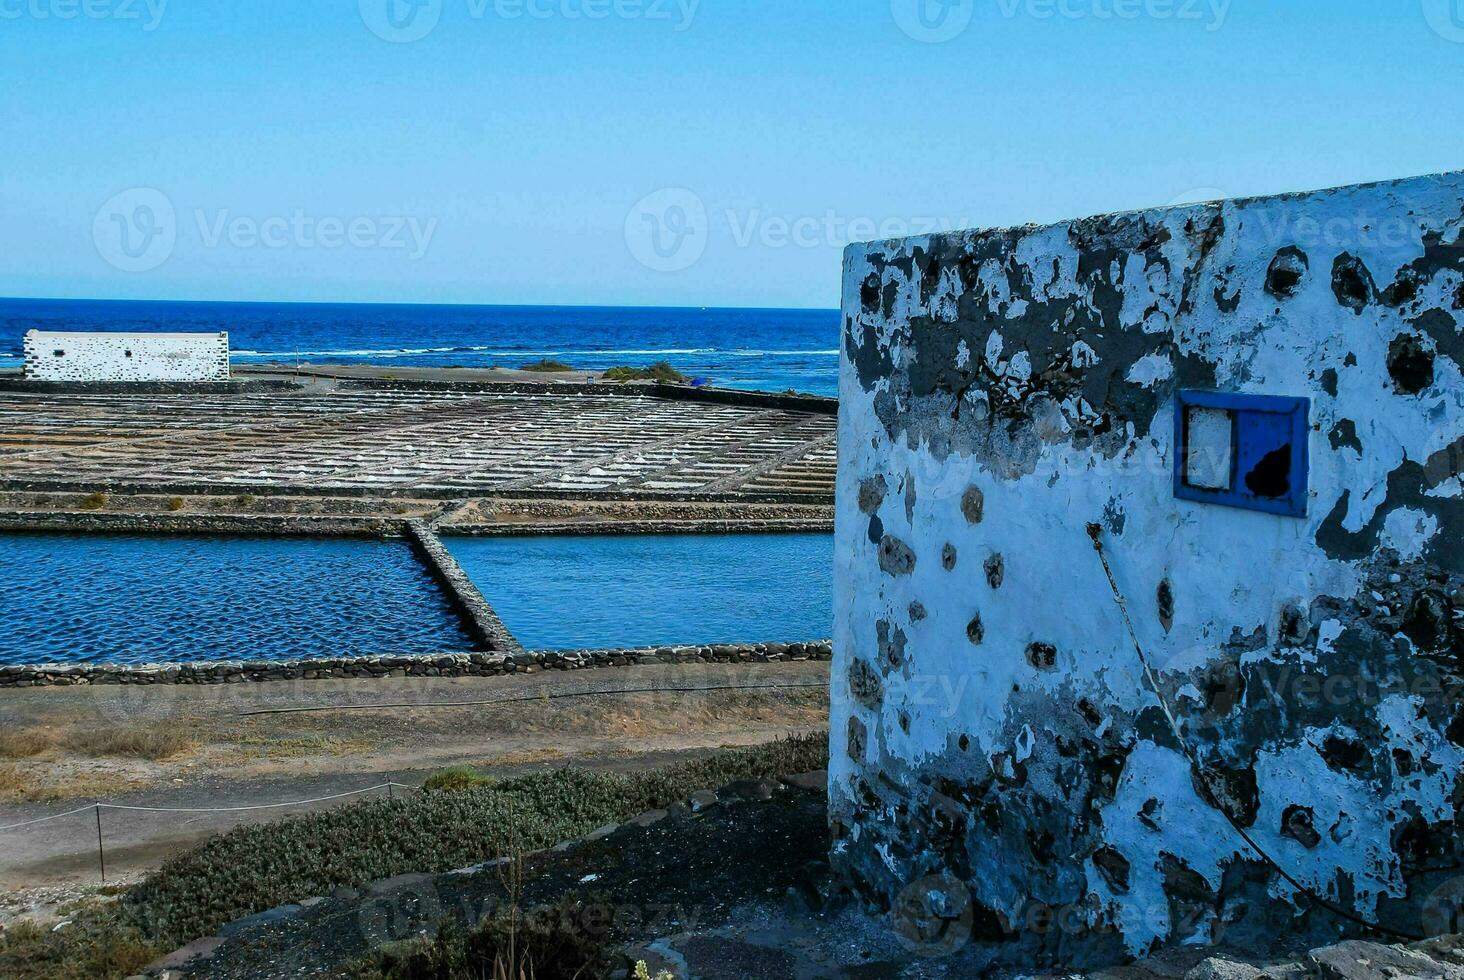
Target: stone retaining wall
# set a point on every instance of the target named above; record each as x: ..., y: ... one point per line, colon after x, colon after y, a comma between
x: 786, y: 401
x: 573, y: 528
x: 437, y: 665
x: 363, y: 526
x: 99, y: 522
x: 264, y: 489
x: 32, y: 386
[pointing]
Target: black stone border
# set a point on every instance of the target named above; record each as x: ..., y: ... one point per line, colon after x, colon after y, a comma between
x: 790, y: 525
x: 264, y: 525
x: 24, y: 386
x: 350, y: 526
x: 789, y: 401
x: 419, y: 493
x: 388, y: 666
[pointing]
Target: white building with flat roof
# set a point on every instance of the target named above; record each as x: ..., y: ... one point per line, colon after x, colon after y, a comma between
x: 94, y: 357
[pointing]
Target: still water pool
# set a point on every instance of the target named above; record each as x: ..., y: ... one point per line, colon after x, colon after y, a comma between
x: 608, y: 592
x: 138, y: 599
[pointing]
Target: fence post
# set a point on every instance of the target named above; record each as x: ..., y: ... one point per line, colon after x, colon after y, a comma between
x: 101, y: 854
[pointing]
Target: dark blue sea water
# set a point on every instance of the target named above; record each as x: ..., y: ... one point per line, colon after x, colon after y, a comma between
x: 136, y: 599
x: 607, y: 592
x: 767, y: 350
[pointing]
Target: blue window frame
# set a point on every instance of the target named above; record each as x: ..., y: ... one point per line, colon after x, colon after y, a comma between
x: 1246, y: 451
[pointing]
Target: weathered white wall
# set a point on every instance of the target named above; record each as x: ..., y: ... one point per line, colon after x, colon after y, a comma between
x: 62, y: 356
x: 1000, y: 391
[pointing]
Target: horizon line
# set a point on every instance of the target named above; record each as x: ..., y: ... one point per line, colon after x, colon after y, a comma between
x: 409, y: 303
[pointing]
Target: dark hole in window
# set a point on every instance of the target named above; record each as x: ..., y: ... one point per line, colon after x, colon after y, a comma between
x: 59, y: 353
x: 127, y: 353
x: 1271, y: 477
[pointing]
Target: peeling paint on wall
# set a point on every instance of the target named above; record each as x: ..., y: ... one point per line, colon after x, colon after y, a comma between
x: 1002, y: 390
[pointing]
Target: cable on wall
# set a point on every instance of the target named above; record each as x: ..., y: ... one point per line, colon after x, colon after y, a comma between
x: 1203, y: 776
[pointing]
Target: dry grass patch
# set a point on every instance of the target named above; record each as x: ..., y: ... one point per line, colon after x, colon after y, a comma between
x: 15, y: 784
x: 671, y: 714
x: 22, y: 785
x: 154, y: 744
x: 298, y: 746
x: 25, y: 744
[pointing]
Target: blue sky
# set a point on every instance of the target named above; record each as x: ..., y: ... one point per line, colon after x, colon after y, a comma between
x: 661, y: 152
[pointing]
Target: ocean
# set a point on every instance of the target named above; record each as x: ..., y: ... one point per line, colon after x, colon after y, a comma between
x: 752, y: 349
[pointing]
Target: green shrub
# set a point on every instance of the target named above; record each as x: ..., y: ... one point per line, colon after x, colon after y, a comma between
x: 547, y: 366
x: 245, y: 500
x: 661, y: 372
x: 456, y: 779
x: 254, y: 868
x: 94, y: 501
x: 175, y: 504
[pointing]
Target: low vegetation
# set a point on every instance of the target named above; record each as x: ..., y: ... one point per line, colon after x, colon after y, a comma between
x: 661, y: 372
x: 547, y: 366
x: 258, y: 867
x: 176, y: 504
x: 94, y: 501
x: 93, y: 944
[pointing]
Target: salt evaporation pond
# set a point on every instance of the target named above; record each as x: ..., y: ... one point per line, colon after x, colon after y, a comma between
x: 564, y: 593
x: 132, y: 599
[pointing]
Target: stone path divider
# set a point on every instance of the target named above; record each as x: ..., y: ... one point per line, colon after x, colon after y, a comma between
x: 482, y: 622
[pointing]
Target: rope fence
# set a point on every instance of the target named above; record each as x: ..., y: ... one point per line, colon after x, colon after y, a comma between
x: 97, y: 808
x: 527, y: 698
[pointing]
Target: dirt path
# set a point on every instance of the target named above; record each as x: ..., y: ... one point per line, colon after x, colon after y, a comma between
x: 188, y: 747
